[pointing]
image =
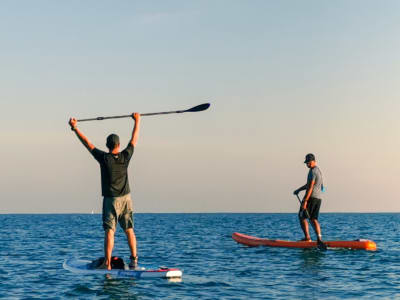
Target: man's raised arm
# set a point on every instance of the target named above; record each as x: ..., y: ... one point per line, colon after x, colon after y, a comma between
x: 135, y: 132
x: 73, y: 123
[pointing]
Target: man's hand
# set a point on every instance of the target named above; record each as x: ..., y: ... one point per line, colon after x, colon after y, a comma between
x: 304, y: 205
x: 136, y: 117
x: 72, y: 122
x: 135, y: 133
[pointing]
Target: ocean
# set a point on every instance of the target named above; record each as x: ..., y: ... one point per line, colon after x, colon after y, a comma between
x: 34, y: 247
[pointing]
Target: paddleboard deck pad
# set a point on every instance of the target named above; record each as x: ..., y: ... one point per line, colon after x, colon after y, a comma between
x: 253, y: 241
x: 82, y: 266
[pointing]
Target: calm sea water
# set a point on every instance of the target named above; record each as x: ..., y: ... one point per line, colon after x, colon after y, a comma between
x: 33, y: 248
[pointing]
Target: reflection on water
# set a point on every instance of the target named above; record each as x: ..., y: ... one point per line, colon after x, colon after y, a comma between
x: 121, y: 288
x: 175, y: 280
x: 311, y: 259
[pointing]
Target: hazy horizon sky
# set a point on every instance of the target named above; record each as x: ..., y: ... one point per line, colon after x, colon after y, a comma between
x: 284, y: 78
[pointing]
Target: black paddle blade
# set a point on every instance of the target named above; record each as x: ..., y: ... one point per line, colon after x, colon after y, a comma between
x: 200, y: 107
x: 321, y: 245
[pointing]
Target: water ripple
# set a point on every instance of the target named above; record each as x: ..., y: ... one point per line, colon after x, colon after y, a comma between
x: 215, y: 267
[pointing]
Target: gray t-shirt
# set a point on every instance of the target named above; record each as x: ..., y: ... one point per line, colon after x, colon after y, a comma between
x: 316, y: 175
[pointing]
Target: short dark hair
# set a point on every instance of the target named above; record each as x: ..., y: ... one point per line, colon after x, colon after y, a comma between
x: 112, y: 141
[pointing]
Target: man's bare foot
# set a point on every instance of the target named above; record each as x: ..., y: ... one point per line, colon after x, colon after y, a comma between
x: 134, y: 262
x: 305, y: 240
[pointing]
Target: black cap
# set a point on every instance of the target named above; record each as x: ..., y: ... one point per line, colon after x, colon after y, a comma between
x: 112, y: 141
x: 309, y: 157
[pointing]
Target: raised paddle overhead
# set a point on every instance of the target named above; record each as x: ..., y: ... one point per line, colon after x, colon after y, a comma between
x: 253, y: 241
x: 197, y: 108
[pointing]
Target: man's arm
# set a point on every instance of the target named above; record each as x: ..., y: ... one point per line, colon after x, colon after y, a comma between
x: 73, y: 123
x: 135, y: 132
x: 304, y: 187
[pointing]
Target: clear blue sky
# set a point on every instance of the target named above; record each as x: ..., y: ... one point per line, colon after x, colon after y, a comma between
x: 284, y: 78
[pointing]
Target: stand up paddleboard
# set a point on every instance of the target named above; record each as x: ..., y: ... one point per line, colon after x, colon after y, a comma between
x: 81, y: 266
x: 253, y: 241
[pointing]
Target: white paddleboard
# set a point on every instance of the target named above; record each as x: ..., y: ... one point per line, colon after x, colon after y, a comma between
x: 82, y: 266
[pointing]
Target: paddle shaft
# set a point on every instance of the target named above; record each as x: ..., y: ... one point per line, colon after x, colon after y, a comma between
x: 307, y: 214
x: 128, y: 116
x: 200, y: 107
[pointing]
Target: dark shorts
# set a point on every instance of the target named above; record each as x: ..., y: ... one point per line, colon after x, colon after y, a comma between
x: 117, y: 209
x: 313, y: 206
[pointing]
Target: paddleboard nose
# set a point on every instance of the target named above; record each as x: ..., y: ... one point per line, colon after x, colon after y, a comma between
x: 371, y: 246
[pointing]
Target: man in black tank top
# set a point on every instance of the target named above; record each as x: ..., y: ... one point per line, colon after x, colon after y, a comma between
x: 117, y: 203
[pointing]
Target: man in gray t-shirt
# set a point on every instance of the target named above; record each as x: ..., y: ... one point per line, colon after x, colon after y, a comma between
x: 312, y: 199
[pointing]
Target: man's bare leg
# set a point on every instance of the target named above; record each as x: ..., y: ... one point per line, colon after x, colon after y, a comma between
x: 304, y: 227
x: 108, y: 247
x: 317, y: 228
x: 131, y: 237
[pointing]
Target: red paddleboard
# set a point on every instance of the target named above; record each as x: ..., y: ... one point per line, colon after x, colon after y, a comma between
x: 253, y: 241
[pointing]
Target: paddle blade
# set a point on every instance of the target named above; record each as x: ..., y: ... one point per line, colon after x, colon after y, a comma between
x: 321, y: 245
x: 200, y: 107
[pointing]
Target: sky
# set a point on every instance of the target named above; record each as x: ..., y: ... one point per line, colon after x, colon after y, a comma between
x: 284, y: 78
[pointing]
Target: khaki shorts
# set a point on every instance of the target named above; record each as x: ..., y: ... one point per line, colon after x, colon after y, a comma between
x: 117, y: 209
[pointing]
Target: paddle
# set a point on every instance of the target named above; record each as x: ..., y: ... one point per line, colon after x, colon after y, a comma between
x: 197, y: 108
x: 321, y: 245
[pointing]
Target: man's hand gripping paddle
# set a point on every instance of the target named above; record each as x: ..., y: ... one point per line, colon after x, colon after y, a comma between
x: 320, y: 244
